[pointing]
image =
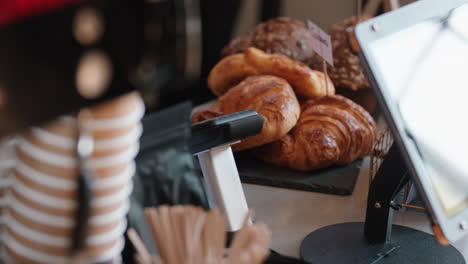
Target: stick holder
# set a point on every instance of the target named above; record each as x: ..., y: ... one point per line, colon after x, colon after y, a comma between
x: 211, y: 143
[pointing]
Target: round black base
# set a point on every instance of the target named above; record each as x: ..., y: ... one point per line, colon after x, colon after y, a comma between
x: 345, y: 243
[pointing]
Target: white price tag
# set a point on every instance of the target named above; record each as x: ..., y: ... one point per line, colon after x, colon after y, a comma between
x: 321, y: 43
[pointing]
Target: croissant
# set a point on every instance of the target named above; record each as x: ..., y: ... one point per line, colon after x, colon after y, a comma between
x: 272, y: 97
x: 331, y: 130
x: 231, y: 70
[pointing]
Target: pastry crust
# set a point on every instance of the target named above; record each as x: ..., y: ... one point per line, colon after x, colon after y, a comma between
x: 332, y: 130
x: 229, y: 72
x: 307, y: 83
x: 283, y: 35
x: 348, y: 73
x: 270, y: 96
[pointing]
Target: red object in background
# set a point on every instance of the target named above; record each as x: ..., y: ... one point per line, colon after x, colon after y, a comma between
x: 13, y: 10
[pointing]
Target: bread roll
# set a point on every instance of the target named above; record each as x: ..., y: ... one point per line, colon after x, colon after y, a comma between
x: 348, y: 73
x: 270, y: 96
x: 332, y: 130
x: 306, y: 82
x: 287, y: 36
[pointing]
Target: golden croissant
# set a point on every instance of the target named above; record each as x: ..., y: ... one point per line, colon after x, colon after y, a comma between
x: 331, y: 130
x: 272, y: 97
x: 231, y: 70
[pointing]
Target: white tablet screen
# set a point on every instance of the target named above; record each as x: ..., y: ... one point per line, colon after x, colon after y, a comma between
x: 425, y: 72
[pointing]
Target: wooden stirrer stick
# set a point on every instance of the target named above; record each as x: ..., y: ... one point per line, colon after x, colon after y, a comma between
x: 176, y: 217
x: 221, y: 231
x: 197, y: 231
x: 158, y: 229
x: 158, y: 234
x: 150, y: 215
x: 167, y: 228
x: 155, y: 227
x: 142, y: 252
x: 240, y: 239
x: 209, y: 238
x: 188, y: 223
x: 260, y: 243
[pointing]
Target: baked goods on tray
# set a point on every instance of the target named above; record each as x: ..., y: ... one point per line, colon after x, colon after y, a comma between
x: 272, y: 97
x: 282, y: 35
x: 269, y: 70
x: 332, y: 130
x: 307, y: 83
x: 348, y: 75
x: 347, y: 72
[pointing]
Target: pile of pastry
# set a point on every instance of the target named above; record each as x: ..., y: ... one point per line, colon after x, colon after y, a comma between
x: 274, y: 71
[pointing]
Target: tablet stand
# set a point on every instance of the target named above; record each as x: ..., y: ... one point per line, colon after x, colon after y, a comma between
x: 378, y: 241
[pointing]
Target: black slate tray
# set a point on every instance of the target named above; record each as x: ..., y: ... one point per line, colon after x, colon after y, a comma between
x: 333, y: 180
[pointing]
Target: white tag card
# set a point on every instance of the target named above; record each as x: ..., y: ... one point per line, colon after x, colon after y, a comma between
x: 321, y: 43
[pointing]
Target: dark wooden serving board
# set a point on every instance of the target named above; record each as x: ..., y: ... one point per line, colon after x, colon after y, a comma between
x: 333, y: 180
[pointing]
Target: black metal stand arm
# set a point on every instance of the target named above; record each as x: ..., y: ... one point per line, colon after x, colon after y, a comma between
x: 224, y: 130
x: 378, y: 241
x: 388, y: 182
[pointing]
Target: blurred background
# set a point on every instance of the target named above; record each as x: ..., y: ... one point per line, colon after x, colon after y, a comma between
x: 324, y: 13
x: 164, y: 48
x: 230, y: 18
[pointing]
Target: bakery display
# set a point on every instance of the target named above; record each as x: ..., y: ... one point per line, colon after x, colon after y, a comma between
x: 283, y: 35
x: 270, y: 96
x: 347, y: 75
x: 332, y: 130
x: 269, y: 67
x: 347, y: 72
x: 307, y: 83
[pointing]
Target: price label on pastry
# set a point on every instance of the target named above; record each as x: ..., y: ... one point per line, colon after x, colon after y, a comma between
x: 322, y: 44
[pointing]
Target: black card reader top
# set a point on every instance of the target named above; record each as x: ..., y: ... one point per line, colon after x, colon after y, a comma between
x: 224, y: 130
